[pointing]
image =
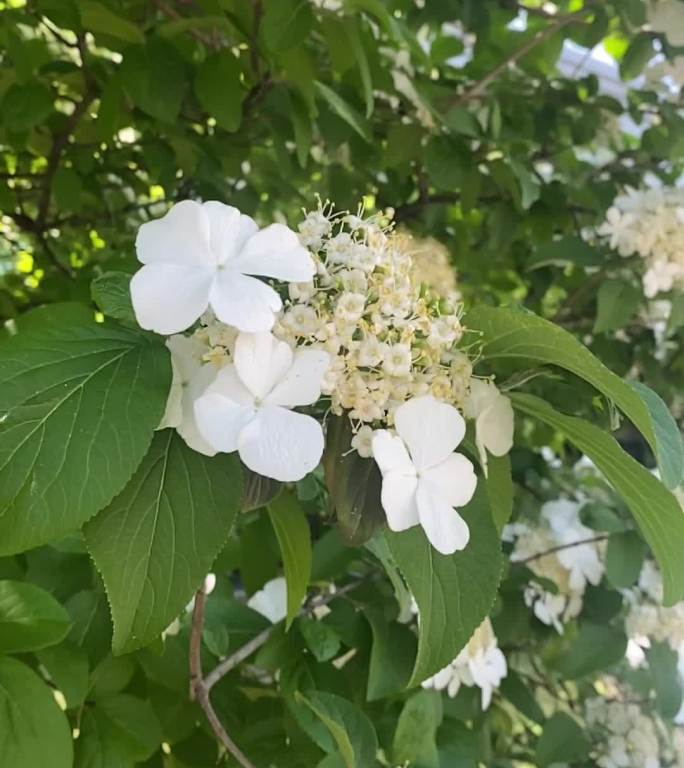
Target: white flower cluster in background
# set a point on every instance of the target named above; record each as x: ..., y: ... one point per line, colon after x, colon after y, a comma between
x: 277, y: 320
x: 481, y: 663
x: 647, y: 618
x: 624, y: 736
x: 570, y: 566
x: 650, y: 223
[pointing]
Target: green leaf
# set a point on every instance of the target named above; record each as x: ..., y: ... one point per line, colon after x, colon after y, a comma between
x: 96, y: 17
x: 79, y: 401
x: 345, y: 111
x: 392, y: 656
x: 218, y: 88
x: 320, y: 639
x: 637, y: 56
x: 67, y: 667
x: 596, y: 647
x: 119, y: 731
x: 414, y: 739
x: 286, y: 24
x: 112, y: 293
x: 353, y: 484
x: 562, y: 741
x: 351, y: 731
x: 499, y: 486
x: 624, y: 558
x: 30, y: 618
x: 455, y: 592
x: 154, y: 77
x: 515, y: 334
x: 662, y: 663
x: 156, y: 541
x: 569, y: 250
x: 656, y: 510
x: 359, y: 53
x: 33, y: 730
x: 519, y: 694
x: 25, y: 106
x: 292, y: 531
x: 617, y: 301
x: 669, y: 445
x: 463, y: 121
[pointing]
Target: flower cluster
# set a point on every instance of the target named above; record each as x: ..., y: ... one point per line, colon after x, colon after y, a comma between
x: 279, y: 319
x: 624, y: 736
x: 481, y: 663
x: 390, y: 337
x: 647, y: 618
x: 650, y: 223
x: 552, y: 553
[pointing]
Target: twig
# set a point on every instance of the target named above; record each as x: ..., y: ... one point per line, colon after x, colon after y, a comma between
x: 560, y: 547
x: 232, y: 661
x: 198, y: 688
x: 539, y: 37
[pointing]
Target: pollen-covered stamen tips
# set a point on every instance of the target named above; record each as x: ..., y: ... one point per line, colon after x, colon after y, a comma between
x: 266, y: 323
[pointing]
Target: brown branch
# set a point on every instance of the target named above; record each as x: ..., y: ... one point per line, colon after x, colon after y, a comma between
x: 232, y: 661
x: 539, y: 37
x: 198, y: 689
x: 561, y: 547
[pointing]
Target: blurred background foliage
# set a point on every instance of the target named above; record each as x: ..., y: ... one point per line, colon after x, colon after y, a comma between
x: 450, y: 112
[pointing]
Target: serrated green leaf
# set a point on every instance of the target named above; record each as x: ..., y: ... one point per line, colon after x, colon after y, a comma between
x: 67, y: 667
x: 392, y: 656
x: 624, y: 558
x: 344, y: 110
x: 79, y: 401
x: 158, y: 538
x: 30, y: 618
x: 669, y: 445
x: 499, y: 485
x: 218, y: 88
x: 617, y: 301
x: 292, y: 531
x: 596, y: 647
x: 517, y: 334
x: 33, y: 730
x: 96, y: 17
x: 112, y: 293
x: 656, y: 510
x: 414, y: 739
x: 455, y: 592
x: 563, y: 252
x: 562, y: 741
x: 352, y: 732
x: 321, y: 639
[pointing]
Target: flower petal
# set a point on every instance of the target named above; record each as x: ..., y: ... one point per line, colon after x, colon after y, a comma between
x: 223, y: 410
x: 494, y: 426
x: 229, y: 230
x: 168, y: 298
x: 281, y: 444
x: 446, y: 530
x: 398, y: 497
x: 454, y: 480
x: 275, y: 251
x: 301, y: 384
x: 244, y: 302
x: 179, y: 237
x: 390, y: 453
x: 261, y: 362
x: 193, y: 390
x: 430, y: 429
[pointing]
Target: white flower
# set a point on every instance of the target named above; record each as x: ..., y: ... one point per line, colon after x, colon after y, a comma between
x: 660, y: 277
x: 493, y: 414
x: 582, y: 562
x: 370, y: 352
x: 207, y: 255
x: 396, y: 359
x: 350, y: 306
x: 362, y: 442
x: 247, y: 407
x: 423, y: 480
x: 481, y: 663
x: 302, y: 320
x: 271, y: 600
x: 190, y: 379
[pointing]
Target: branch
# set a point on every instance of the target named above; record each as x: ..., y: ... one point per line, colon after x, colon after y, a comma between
x: 560, y: 547
x: 539, y: 37
x: 172, y: 13
x: 198, y: 688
